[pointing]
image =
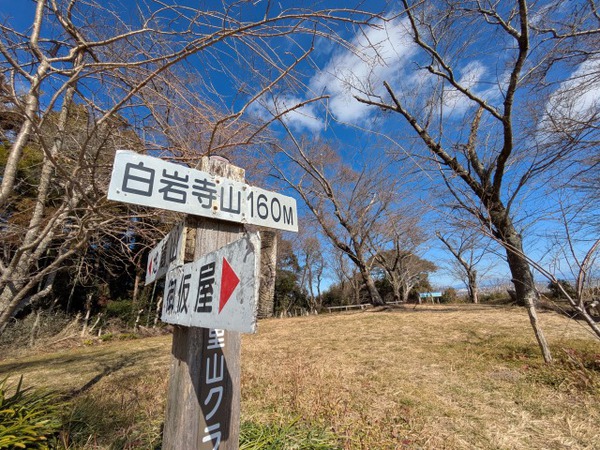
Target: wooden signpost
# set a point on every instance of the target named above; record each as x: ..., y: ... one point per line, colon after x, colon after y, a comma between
x: 215, y: 296
x: 218, y: 289
x: 147, y: 181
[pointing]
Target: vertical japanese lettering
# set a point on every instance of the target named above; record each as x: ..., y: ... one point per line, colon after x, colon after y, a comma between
x: 205, y: 288
x: 218, y: 363
x: 184, y: 291
x: 172, y: 246
x: 213, y: 434
x: 214, y: 381
x: 138, y: 179
x: 218, y: 391
x: 163, y: 256
x: 171, y: 292
x: 216, y: 339
x: 155, y: 263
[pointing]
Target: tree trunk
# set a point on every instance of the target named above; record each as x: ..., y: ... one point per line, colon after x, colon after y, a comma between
x: 522, y: 279
x: 34, y: 328
x: 405, y: 291
x: 397, y: 296
x: 88, y: 312
x: 136, y: 287
x: 472, y: 287
x: 157, y: 312
x: 376, y: 299
x: 16, y: 276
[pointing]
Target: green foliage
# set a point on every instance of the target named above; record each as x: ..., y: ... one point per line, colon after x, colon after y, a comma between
x: 384, y: 287
x: 122, y: 309
x: 334, y: 295
x: 254, y: 436
x: 288, y: 292
x: 449, y: 296
x: 29, y: 419
x: 28, y: 169
x: 495, y: 298
x: 113, y: 422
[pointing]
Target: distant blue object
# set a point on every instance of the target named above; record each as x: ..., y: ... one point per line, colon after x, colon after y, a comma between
x: 430, y: 294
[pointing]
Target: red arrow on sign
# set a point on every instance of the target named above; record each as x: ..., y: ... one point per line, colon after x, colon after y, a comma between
x: 229, y: 281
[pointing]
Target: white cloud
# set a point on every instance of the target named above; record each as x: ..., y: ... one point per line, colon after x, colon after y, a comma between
x: 304, y: 117
x: 583, y: 90
x: 375, y: 55
x: 577, y: 100
x: 384, y: 52
x: 470, y: 77
x: 388, y: 53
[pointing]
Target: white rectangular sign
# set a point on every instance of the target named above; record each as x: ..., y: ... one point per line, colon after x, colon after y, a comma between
x: 147, y: 181
x: 168, y: 251
x: 219, y: 290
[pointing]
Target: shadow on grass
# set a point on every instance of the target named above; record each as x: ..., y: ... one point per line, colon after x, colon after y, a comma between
x: 103, y: 363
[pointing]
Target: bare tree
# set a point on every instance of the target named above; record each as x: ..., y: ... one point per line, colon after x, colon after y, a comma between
x: 487, y: 165
x: 347, y: 280
x: 576, y: 256
x: 123, y: 75
x: 395, y: 246
x: 312, y: 260
x: 467, y: 252
x: 346, y: 203
x: 404, y: 270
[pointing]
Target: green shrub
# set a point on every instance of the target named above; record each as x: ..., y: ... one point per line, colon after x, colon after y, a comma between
x: 449, y: 296
x: 495, y: 298
x: 29, y: 419
x: 121, y: 309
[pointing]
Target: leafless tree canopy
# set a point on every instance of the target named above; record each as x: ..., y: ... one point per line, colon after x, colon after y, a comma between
x: 85, y: 78
x: 491, y: 133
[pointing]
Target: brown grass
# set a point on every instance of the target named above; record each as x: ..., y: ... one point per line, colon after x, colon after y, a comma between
x: 435, y: 377
x: 443, y: 377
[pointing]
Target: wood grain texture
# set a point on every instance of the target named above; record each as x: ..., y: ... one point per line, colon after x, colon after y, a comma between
x: 191, y: 400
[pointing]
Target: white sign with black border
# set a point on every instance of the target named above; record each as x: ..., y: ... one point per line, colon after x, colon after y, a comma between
x: 218, y: 290
x: 148, y: 181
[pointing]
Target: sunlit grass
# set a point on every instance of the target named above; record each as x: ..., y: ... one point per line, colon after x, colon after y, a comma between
x: 435, y: 377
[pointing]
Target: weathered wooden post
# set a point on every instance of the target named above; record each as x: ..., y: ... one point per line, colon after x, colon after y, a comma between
x: 199, y: 414
x: 214, y: 297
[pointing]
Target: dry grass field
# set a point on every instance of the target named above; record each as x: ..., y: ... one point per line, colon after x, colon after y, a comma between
x: 435, y: 377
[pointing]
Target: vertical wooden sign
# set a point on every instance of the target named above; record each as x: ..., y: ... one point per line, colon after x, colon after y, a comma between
x: 203, y: 400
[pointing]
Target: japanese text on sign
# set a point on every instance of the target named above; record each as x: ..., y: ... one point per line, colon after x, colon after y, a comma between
x: 144, y: 180
x: 219, y: 289
x: 167, y: 252
x: 215, y: 380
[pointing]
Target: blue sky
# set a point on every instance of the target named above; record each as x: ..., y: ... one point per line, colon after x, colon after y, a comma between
x: 386, y: 53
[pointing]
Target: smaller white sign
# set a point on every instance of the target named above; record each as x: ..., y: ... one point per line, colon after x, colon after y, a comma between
x: 169, y: 251
x: 219, y: 290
